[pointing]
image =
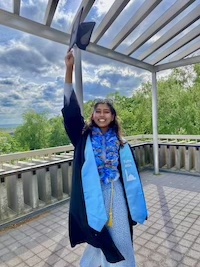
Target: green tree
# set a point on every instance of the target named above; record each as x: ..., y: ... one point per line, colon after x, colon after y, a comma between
x: 8, y: 144
x: 179, y: 107
x: 58, y: 136
x: 197, y: 70
x: 88, y: 109
x: 34, y: 133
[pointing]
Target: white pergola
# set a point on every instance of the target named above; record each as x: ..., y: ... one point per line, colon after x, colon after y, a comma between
x: 162, y: 54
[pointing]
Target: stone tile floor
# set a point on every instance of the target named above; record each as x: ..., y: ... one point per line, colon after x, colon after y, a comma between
x: 170, y: 237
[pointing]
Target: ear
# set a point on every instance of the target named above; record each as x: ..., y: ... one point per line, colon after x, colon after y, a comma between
x: 113, y: 117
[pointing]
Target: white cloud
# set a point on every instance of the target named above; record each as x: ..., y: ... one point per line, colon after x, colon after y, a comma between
x: 154, y: 38
x: 32, y: 69
x: 102, y: 6
x: 6, y: 5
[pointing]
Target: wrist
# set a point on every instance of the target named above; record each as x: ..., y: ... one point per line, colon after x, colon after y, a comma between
x: 68, y: 75
x: 69, y: 67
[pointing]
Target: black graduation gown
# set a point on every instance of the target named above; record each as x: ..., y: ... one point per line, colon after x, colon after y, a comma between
x: 79, y: 230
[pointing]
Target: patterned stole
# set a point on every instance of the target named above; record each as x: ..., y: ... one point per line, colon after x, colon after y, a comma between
x: 94, y: 202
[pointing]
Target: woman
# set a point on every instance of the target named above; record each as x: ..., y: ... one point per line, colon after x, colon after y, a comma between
x: 107, y: 197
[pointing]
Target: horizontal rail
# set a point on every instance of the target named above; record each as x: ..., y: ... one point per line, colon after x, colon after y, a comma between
x: 49, y: 152
x: 28, y: 187
x: 36, y: 153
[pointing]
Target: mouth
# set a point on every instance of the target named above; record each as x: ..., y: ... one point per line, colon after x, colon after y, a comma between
x: 101, y: 120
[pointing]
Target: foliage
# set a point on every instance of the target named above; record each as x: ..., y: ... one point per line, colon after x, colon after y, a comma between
x: 34, y: 133
x: 38, y: 132
x: 8, y: 143
x: 178, y: 105
x: 178, y: 113
x: 58, y: 136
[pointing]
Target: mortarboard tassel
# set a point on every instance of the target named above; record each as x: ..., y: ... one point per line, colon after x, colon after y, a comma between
x: 110, y: 222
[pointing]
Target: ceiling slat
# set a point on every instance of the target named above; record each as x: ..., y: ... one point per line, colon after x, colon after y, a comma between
x: 50, y: 11
x: 171, y: 33
x: 177, y: 45
x: 173, y: 51
x: 87, y: 4
x: 20, y: 23
x: 139, y: 16
x: 109, y: 18
x: 191, y: 48
x: 161, y: 22
x: 16, y: 6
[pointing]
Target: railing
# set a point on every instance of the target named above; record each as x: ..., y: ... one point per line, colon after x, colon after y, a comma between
x: 31, y: 156
x: 48, y: 153
x: 180, y: 157
x: 27, y: 189
x: 31, y: 181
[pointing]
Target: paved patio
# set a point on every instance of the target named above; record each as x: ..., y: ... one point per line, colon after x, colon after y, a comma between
x: 171, y: 236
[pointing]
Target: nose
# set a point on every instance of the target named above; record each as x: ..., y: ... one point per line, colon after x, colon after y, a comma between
x: 101, y: 114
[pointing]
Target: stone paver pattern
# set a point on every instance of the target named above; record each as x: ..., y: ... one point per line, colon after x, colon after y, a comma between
x: 170, y: 237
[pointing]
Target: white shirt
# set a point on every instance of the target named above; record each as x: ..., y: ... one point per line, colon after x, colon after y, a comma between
x: 68, y: 89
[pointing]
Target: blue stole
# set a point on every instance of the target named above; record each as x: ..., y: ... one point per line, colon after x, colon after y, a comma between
x: 94, y: 202
x: 133, y: 186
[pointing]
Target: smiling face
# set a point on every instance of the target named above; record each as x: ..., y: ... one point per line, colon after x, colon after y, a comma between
x: 103, y: 116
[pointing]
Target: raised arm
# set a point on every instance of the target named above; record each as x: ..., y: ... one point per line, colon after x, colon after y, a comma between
x: 69, y: 62
x: 73, y: 120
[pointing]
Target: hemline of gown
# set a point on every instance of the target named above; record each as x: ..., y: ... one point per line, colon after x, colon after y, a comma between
x: 120, y: 232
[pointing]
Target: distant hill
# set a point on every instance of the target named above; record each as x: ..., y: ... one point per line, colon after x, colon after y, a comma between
x: 8, y: 128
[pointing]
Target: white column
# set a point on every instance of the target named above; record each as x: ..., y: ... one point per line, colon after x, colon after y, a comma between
x: 78, y: 77
x: 155, y: 122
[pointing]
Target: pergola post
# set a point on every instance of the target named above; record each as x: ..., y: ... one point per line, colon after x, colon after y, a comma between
x: 78, y: 77
x: 155, y: 122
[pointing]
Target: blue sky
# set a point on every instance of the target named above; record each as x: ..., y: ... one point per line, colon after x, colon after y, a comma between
x: 32, y: 69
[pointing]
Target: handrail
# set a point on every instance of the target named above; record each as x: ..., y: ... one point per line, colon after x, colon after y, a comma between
x: 35, y: 153
x: 163, y: 138
x: 33, y: 168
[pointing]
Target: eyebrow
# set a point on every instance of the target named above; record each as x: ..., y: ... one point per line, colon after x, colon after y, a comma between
x: 105, y: 109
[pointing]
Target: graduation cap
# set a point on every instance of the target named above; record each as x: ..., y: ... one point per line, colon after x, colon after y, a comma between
x: 81, y: 32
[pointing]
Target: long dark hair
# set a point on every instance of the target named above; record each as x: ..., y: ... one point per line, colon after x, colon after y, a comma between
x: 115, y: 125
